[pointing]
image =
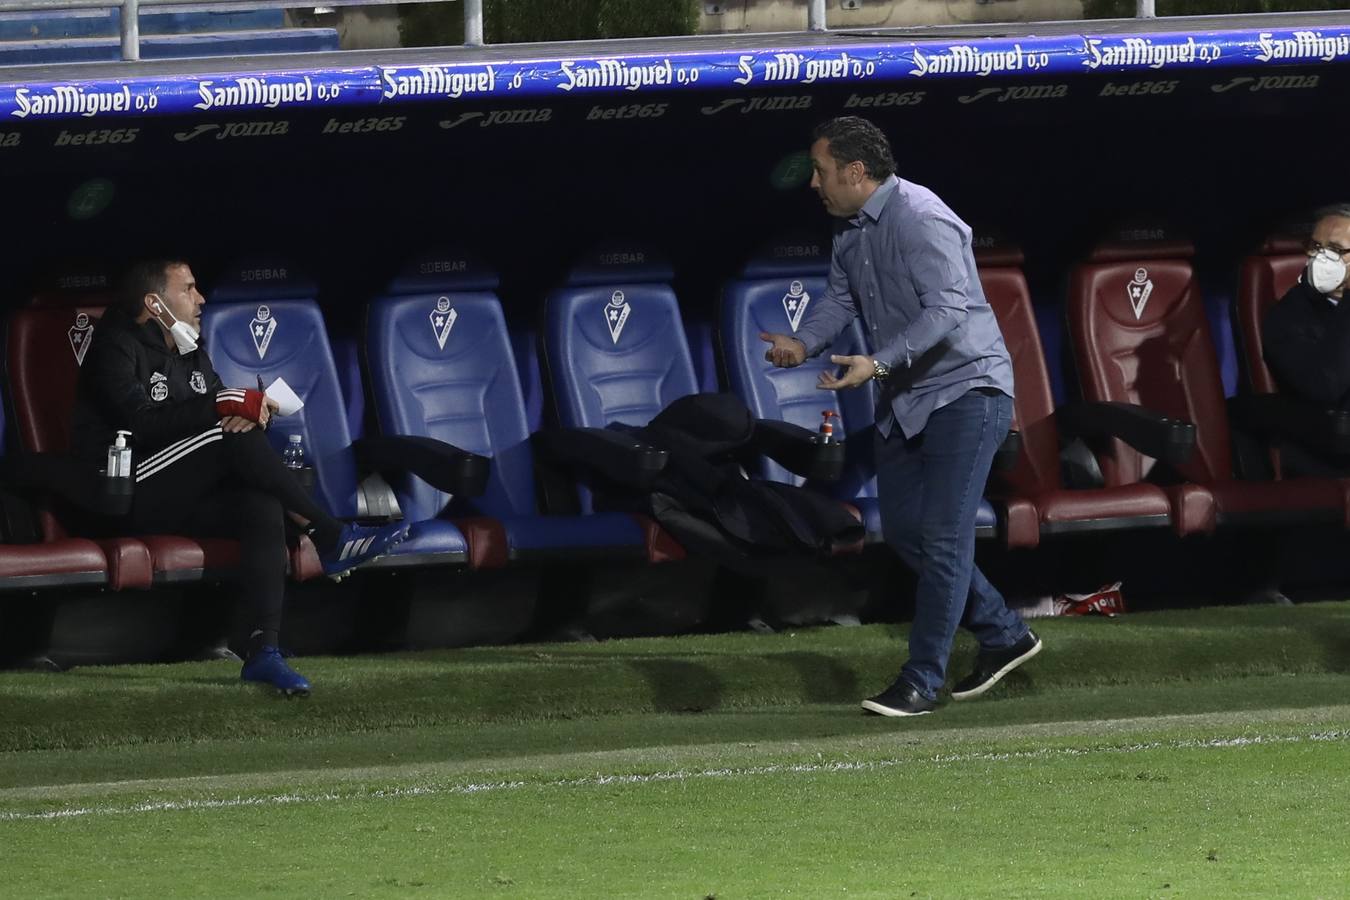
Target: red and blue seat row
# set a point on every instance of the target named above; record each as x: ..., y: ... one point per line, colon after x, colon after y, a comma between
x: 1150, y: 438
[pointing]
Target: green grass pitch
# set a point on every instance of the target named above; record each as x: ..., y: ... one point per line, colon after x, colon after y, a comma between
x: 1180, y: 754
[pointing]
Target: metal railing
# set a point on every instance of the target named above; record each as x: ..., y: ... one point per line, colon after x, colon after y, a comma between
x: 130, y: 25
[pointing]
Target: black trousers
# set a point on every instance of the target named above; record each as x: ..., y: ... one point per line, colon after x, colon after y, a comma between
x: 216, y: 484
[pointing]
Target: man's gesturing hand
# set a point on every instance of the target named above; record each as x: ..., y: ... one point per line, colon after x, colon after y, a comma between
x: 857, y: 370
x: 786, y: 351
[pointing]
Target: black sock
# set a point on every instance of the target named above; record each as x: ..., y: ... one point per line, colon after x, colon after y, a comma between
x: 325, y: 535
x: 261, y: 638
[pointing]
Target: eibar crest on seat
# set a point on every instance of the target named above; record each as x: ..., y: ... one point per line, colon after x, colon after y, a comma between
x: 1139, y: 290
x: 262, y: 328
x: 794, y: 304
x: 81, y: 334
x: 617, y: 312
x: 442, y: 320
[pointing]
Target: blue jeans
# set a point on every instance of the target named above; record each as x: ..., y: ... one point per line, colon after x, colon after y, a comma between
x: 930, y: 487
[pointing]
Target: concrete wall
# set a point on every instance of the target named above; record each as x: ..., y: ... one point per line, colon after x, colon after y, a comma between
x: 368, y: 27
x: 358, y: 27
x: 738, y: 16
x: 372, y: 27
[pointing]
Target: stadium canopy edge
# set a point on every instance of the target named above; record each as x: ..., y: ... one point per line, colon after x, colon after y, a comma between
x: 1006, y: 53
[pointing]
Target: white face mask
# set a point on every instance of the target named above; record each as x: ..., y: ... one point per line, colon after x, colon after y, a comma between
x: 184, y: 335
x: 1326, y: 271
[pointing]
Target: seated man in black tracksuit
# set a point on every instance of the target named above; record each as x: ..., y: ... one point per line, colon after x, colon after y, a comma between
x: 1307, y: 335
x: 202, y: 465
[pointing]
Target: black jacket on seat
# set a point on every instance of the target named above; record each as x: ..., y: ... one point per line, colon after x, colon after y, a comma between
x: 705, y: 500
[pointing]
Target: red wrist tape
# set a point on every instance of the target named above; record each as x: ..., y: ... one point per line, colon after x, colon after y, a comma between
x: 245, y: 403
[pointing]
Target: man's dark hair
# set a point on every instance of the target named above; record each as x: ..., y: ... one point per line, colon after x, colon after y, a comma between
x: 149, y: 276
x: 856, y: 139
x: 1335, y: 209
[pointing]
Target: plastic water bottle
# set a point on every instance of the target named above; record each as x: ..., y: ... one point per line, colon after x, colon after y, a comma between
x: 294, y: 454
x: 826, y: 433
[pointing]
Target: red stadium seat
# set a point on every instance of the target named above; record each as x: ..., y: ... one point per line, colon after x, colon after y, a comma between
x: 1036, y: 501
x: 1140, y: 336
x: 45, y: 348
x: 42, y: 395
x: 1265, y: 277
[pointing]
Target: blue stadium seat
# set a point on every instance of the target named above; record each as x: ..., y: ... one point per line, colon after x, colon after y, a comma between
x: 290, y: 343
x: 30, y: 26
x: 524, y: 344
x: 442, y: 366
x: 169, y: 46
x: 347, y: 357
x: 270, y: 329
x: 262, y: 277
x: 774, y: 294
x: 702, y: 350
x: 78, y: 23
x: 155, y: 22
x: 615, y: 348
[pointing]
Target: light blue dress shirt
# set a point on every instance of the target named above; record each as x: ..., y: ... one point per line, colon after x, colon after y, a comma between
x: 905, y: 264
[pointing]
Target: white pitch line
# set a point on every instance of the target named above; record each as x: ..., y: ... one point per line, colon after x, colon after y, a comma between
x: 659, y: 777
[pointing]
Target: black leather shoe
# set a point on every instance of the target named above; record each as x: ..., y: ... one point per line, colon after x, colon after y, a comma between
x: 900, y: 699
x: 992, y: 665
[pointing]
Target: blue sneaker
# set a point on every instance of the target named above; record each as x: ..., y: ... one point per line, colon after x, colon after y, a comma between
x: 359, y: 544
x: 268, y: 667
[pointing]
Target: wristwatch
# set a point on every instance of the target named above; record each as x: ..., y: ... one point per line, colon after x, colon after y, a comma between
x: 880, y: 371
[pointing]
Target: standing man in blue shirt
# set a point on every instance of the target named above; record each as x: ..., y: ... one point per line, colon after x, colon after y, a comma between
x: 902, y: 260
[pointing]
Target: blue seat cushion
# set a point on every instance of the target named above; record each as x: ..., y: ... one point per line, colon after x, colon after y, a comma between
x: 432, y: 536
x: 986, y: 520
x: 600, y: 531
x: 870, y: 507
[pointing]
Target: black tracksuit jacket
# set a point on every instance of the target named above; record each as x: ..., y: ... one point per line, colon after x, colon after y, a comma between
x: 131, y: 381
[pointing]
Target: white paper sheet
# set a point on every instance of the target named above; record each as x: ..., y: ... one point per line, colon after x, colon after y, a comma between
x: 286, y: 398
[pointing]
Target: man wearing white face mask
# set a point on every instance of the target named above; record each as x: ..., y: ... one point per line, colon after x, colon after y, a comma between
x: 203, y: 466
x: 1307, y: 334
